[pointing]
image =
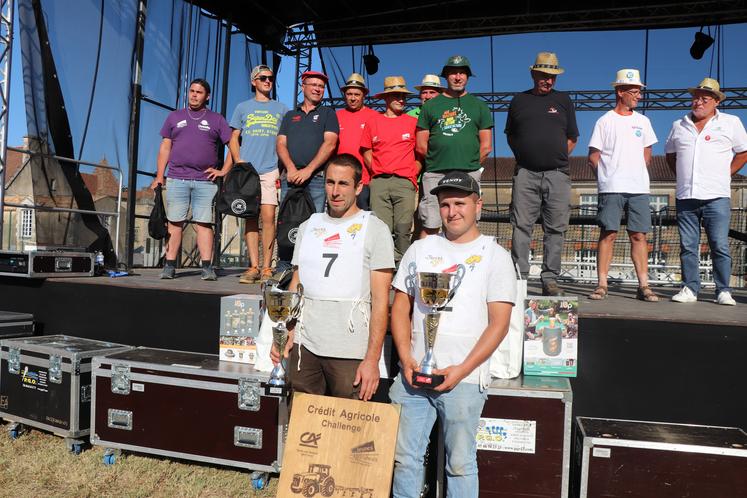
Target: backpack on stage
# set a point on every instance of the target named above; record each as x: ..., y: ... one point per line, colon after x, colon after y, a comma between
x: 241, y: 193
x: 296, y: 208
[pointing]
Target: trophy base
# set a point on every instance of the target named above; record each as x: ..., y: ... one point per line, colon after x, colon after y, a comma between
x: 273, y: 390
x: 426, y: 380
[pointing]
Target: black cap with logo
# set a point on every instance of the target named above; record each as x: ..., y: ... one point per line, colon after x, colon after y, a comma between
x: 460, y: 180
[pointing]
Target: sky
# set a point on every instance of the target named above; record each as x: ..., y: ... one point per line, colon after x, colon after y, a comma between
x: 590, y: 60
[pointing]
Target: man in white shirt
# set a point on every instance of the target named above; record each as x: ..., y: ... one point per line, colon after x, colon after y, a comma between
x: 704, y: 149
x: 345, y: 259
x: 471, y: 326
x: 619, y: 154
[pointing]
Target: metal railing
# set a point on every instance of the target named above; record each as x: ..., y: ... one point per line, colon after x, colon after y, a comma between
x: 579, y: 261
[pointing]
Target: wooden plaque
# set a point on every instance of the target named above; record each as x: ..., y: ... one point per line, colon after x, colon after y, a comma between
x: 339, y: 447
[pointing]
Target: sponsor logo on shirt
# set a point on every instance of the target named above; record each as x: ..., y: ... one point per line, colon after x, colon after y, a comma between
x: 204, y: 125
x: 453, y: 121
x: 405, y: 136
x: 315, y: 118
x: 333, y: 241
x: 435, y: 260
x: 375, y: 139
x: 472, y: 261
x: 296, y: 119
x: 354, y: 229
x: 261, y: 118
x: 453, y: 268
x: 182, y: 123
x: 363, y: 125
x: 708, y: 138
x: 319, y: 231
x: 638, y: 133
x: 552, y: 110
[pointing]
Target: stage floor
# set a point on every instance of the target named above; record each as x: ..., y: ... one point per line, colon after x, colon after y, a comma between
x: 621, y: 302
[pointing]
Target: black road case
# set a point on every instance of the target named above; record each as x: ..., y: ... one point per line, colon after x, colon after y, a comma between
x: 45, y: 382
x: 46, y: 263
x: 524, y: 438
x: 187, y: 405
x: 623, y: 458
x: 14, y: 324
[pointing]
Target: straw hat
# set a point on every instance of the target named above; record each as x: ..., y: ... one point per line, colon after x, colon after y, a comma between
x: 393, y: 84
x: 430, y: 81
x: 628, y: 77
x: 709, y: 85
x: 355, y: 80
x: 547, y: 62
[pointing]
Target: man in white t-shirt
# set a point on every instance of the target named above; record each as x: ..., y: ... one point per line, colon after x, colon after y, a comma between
x: 619, y: 155
x: 472, y: 325
x: 704, y: 149
x: 345, y: 260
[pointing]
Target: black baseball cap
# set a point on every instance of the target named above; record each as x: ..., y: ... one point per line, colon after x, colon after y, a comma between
x: 460, y: 180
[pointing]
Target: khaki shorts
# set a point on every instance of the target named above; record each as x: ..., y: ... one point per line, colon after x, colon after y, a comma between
x: 268, y: 186
x: 429, y: 211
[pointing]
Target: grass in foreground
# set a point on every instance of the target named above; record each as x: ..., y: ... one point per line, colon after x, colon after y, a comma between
x: 39, y: 464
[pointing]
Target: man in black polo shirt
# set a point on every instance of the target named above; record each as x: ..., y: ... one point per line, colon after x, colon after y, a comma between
x: 306, y: 140
x: 541, y: 131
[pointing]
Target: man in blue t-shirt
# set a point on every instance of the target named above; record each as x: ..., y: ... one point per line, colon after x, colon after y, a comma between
x: 255, y: 125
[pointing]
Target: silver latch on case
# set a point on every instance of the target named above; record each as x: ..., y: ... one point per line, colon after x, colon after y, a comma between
x: 14, y: 360
x: 120, y: 379
x: 247, y: 437
x: 119, y: 419
x: 55, y: 369
x: 250, y: 395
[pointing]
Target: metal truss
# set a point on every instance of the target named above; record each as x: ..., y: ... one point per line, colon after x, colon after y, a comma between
x: 592, y: 100
x: 302, y: 41
x: 6, y: 51
x: 669, y: 15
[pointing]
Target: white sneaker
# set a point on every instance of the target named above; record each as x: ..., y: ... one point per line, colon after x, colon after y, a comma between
x: 724, y: 297
x: 685, y: 295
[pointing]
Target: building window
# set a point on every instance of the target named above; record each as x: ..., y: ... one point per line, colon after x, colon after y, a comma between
x: 27, y: 223
x: 658, y: 202
x: 588, y: 204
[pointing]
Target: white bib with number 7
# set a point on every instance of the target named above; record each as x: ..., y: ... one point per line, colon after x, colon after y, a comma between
x: 330, y: 265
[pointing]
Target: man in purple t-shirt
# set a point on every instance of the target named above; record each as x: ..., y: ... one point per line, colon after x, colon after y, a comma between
x: 190, y: 150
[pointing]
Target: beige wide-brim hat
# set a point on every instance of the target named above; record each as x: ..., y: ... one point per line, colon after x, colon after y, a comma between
x: 430, y: 81
x: 630, y: 77
x: 709, y: 85
x: 393, y: 84
x: 547, y: 62
x: 355, y: 80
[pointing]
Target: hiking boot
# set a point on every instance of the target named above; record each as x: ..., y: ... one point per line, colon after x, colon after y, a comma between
x: 551, y: 289
x: 168, y: 272
x: 250, y: 276
x: 685, y: 295
x: 208, y: 273
x: 724, y: 297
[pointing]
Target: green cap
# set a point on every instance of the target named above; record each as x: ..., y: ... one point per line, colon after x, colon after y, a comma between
x: 457, y: 61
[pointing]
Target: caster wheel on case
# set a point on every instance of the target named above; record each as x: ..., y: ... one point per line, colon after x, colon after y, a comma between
x: 110, y: 459
x: 259, y: 480
x: 14, y: 433
x: 16, y: 430
x: 76, y: 449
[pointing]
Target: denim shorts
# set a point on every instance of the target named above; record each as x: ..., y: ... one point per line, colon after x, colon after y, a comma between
x: 610, y: 208
x: 181, y: 194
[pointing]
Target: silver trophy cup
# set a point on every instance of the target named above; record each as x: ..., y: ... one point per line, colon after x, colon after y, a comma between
x: 282, y: 307
x: 434, y: 292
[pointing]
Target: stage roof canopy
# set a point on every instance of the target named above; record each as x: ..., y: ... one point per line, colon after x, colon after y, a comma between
x: 349, y: 22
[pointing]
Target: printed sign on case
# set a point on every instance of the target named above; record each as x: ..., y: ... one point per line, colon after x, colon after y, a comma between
x: 551, y: 336
x: 503, y: 434
x: 339, y: 447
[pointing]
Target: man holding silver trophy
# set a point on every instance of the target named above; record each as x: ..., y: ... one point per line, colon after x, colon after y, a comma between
x: 344, y: 261
x: 451, y: 310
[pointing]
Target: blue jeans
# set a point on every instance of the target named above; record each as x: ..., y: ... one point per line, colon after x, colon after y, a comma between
x: 315, y: 188
x: 459, y: 411
x: 715, y: 215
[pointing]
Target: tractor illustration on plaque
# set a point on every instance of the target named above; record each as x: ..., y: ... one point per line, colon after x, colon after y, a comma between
x: 316, y: 480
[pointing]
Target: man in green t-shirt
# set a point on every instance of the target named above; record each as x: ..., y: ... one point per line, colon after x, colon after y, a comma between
x: 454, y: 133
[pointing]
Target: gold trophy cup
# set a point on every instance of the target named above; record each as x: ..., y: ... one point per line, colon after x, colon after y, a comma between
x: 434, y: 292
x: 282, y: 307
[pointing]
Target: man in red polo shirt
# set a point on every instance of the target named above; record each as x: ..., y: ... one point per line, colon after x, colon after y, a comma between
x: 388, y: 145
x: 352, y: 121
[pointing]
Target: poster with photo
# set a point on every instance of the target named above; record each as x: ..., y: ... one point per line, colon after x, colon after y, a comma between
x: 551, y: 336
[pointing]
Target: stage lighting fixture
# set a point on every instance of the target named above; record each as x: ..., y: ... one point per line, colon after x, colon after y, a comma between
x: 700, y: 45
x: 371, y: 61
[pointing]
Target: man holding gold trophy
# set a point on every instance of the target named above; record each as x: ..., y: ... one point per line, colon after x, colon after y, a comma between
x: 451, y: 310
x: 344, y: 261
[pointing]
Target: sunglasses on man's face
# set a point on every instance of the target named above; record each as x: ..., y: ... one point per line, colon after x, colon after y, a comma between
x: 264, y: 78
